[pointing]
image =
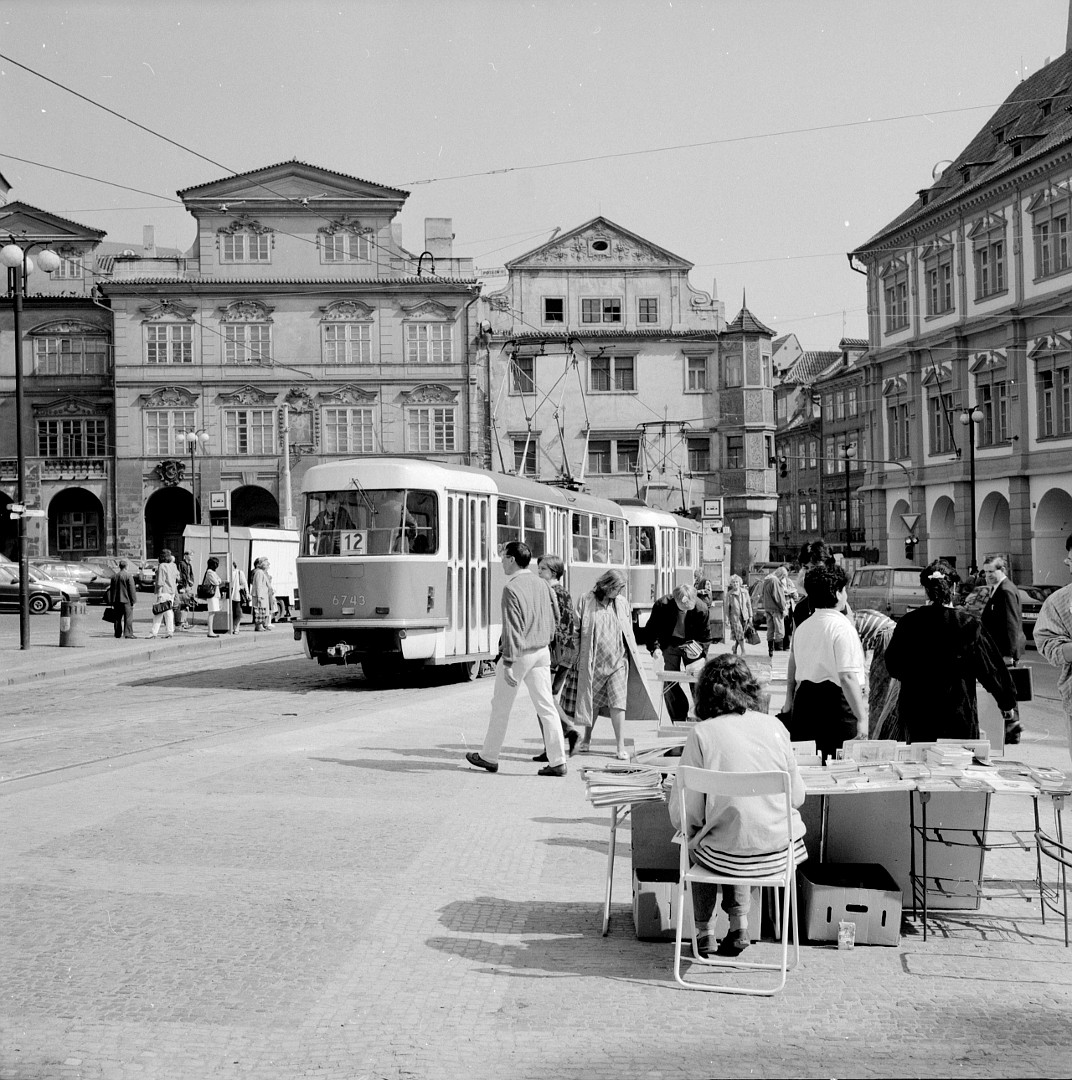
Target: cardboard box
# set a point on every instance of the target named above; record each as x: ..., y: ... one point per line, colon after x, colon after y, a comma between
x: 655, y: 914
x: 862, y: 893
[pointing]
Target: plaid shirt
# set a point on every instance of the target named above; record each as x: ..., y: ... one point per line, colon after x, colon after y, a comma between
x: 1053, y: 630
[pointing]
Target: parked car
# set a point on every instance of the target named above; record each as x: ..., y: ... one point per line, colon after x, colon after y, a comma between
x: 96, y: 584
x: 892, y: 590
x: 145, y: 578
x: 1032, y: 597
x: 44, y: 594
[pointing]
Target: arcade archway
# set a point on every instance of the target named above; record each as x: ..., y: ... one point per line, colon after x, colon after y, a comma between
x: 75, y: 524
x: 1051, y: 528
x: 167, y: 513
x: 993, y: 535
x: 9, y: 529
x: 253, y: 505
x: 942, y: 531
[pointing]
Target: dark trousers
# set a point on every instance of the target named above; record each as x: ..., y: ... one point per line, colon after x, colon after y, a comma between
x: 677, y: 702
x: 124, y: 620
x: 822, y: 712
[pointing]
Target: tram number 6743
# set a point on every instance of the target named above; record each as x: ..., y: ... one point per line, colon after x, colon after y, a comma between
x: 347, y: 601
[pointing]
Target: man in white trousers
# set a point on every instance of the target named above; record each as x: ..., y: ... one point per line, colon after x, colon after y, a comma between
x: 528, y: 624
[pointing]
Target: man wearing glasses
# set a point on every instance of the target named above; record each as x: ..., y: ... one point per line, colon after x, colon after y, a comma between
x: 1053, y: 637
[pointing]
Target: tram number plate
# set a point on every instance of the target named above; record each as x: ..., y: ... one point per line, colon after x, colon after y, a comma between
x: 347, y: 602
x: 354, y: 542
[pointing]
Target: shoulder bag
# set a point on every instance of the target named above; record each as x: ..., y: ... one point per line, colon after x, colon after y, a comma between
x: 206, y: 590
x: 161, y: 607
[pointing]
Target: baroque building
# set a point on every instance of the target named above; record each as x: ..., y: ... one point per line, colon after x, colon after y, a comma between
x: 608, y: 368
x: 968, y: 381
x: 298, y: 328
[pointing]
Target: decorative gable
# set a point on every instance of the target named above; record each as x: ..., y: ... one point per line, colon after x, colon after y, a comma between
x: 937, y: 374
x: 988, y: 361
x: 246, y: 311
x: 167, y: 311
x: 430, y: 394
x: 599, y: 243
x: 1049, y: 344
x: 346, y: 311
x: 247, y: 395
x: 898, y: 384
x: 67, y: 326
x: 70, y: 406
x: 429, y: 310
x: 346, y: 395
x: 168, y: 397
x: 245, y: 223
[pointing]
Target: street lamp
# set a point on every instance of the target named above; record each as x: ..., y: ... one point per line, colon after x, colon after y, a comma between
x: 194, y: 439
x: 847, y: 453
x: 19, y: 265
x: 969, y: 418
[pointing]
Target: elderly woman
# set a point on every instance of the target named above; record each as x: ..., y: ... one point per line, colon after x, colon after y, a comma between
x: 734, y: 735
x: 738, y: 612
x: 211, y: 582
x: 938, y: 652
x: 260, y: 593
x: 607, y: 663
x: 825, y: 678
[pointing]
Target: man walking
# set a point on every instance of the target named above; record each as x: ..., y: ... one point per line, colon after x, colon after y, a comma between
x: 773, y: 602
x: 680, y: 629
x: 1053, y: 638
x: 528, y: 624
x: 122, y: 596
x: 1003, y: 621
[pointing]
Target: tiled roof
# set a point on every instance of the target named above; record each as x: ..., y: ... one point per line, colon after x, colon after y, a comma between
x: 990, y: 155
x: 281, y: 164
x: 15, y: 205
x: 810, y: 366
x: 747, y: 323
x: 853, y: 343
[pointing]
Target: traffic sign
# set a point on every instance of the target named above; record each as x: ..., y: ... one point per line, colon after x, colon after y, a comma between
x: 712, y: 508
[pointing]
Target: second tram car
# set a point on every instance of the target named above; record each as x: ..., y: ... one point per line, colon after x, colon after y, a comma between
x: 399, y: 560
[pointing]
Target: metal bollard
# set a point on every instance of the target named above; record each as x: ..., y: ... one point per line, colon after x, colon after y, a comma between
x: 72, y: 624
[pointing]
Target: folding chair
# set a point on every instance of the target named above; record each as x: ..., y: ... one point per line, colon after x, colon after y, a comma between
x: 743, y: 786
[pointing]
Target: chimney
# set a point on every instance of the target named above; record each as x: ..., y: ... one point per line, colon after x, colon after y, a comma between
x: 438, y: 236
x: 396, y: 233
x: 148, y: 241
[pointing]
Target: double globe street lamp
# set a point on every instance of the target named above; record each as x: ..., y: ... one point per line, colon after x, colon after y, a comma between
x: 194, y: 439
x: 19, y: 265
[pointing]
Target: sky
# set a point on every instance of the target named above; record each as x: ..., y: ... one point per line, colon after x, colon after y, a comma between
x: 761, y: 140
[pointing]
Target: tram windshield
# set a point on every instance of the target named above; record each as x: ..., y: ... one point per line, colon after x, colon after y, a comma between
x: 371, y: 521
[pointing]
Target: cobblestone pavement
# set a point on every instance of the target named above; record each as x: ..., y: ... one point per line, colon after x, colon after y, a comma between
x: 241, y: 865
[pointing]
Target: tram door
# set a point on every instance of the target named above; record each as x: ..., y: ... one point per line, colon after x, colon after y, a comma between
x: 667, y: 557
x: 468, y: 575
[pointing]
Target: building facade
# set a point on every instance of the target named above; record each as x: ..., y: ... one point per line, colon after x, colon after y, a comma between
x: 968, y: 382
x: 296, y: 330
x: 608, y: 368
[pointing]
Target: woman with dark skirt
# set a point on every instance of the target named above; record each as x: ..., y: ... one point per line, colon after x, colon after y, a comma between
x: 937, y: 653
x: 825, y: 680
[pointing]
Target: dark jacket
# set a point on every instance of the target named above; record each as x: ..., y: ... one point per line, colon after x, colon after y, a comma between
x: 1003, y: 620
x: 660, y: 628
x: 937, y: 653
x: 122, y: 589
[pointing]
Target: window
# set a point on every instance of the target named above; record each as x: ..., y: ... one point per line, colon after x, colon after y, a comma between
x: 733, y: 368
x: 536, y: 529
x: 168, y: 343
x: 247, y: 343
x: 768, y: 370
x: 429, y: 343
x: 734, y: 451
x: 430, y: 429
x: 941, y: 408
x: 831, y: 462
x: 642, y: 545
x: 599, y: 456
x: 852, y: 406
x: 699, y: 455
x: 813, y: 453
x: 507, y: 522
x: 895, y: 292
x: 994, y: 404
x: 601, y: 310
x: 695, y: 374
x: 828, y: 408
x: 70, y: 268
x: 525, y: 452
x: 813, y: 514
x: 162, y: 428
x: 554, y: 309
x: 839, y: 405
x: 70, y: 354
x: 1054, y: 405
x: 523, y: 375
x: 245, y: 247
x: 648, y: 309
x: 768, y: 446
x: 988, y: 251
x: 72, y: 438
x: 347, y: 343
x: 78, y: 530
x: 1050, y: 216
x: 249, y: 431
x: 803, y: 517
x: 938, y: 275
x: 348, y: 431
x: 342, y: 247
x: 628, y: 455
x: 613, y: 374
x: 897, y: 417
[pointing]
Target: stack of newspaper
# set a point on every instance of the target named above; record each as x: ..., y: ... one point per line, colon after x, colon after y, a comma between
x: 621, y: 782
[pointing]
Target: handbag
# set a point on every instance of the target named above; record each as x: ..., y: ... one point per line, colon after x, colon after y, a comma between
x: 206, y: 590
x: 751, y: 634
x: 568, y: 699
x: 1021, y: 680
x: 108, y: 615
x: 160, y: 608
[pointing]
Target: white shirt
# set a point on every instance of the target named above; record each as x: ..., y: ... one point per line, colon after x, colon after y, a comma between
x: 824, y: 646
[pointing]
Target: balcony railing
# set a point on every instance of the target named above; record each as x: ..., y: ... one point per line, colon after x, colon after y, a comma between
x: 89, y: 468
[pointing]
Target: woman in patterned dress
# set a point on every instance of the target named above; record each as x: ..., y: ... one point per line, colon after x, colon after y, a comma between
x: 738, y: 612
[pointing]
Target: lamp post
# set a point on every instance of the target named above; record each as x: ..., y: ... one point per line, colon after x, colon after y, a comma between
x: 194, y: 439
x: 18, y: 263
x: 969, y: 418
x: 847, y: 453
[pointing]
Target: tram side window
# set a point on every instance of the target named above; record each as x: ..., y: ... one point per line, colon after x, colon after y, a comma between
x: 508, y: 522
x: 582, y: 537
x: 642, y: 545
x: 421, y: 511
x: 600, y: 539
x: 536, y: 530
x: 617, y: 542
x: 684, y: 547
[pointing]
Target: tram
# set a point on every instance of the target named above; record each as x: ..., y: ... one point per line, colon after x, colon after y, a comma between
x: 399, y: 561
x: 664, y: 552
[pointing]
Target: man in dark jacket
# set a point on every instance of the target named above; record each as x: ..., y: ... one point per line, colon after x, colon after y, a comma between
x: 1003, y: 621
x: 122, y: 596
x: 679, y: 627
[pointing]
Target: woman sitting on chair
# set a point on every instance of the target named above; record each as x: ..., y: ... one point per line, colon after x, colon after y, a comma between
x: 735, y: 736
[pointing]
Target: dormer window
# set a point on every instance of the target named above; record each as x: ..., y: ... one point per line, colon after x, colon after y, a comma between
x: 599, y: 246
x: 245, y: 241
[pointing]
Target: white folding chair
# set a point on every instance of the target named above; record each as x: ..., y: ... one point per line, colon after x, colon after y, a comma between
x: 742, y: 786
